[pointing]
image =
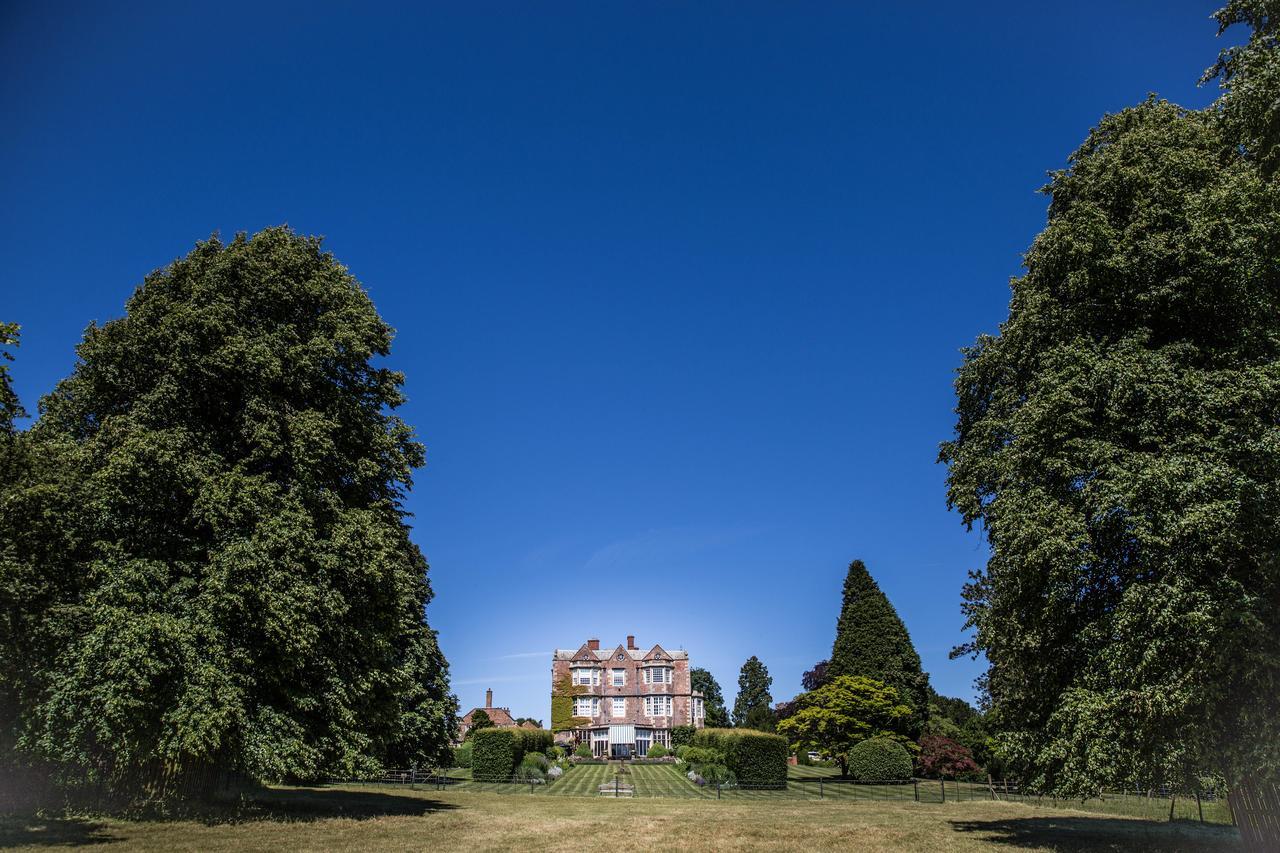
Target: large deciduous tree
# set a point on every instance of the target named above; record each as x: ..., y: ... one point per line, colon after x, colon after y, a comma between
x: 751, y: 707
x: 215, y: 560
x: 10, y: 407
x: 1119, y: 444
x: 844, y: 712
x: 716, y: 715
x: 872, y: 641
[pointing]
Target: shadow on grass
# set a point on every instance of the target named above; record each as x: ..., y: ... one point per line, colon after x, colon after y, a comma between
x: 279, y: 805
x: 16, y: 830
x: 292, y: 804
x: 1076, y: 833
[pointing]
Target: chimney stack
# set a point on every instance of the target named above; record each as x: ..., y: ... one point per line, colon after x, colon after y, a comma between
x: 593, y: 644
x: 488, y: 698
x: 631, y: 641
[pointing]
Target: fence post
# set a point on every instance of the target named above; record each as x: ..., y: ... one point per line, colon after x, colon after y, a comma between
x: 1199, y: 807
x: 943, y: 783
x: 915, y: 784
x: 820, y: 794
x: 717, y: 790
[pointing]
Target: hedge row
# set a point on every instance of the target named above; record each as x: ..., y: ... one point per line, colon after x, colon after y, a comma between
x: 756, y: 758
x: 495, y: 753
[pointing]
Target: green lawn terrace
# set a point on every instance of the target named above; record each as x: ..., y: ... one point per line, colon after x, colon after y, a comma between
x: 824, y: 783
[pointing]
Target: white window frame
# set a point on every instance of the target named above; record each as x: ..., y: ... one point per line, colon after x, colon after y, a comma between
x: 589, y: 707
x: 586, y: 676
x: 658, y: 706
x: 618, y: 707
x: 618, y: 677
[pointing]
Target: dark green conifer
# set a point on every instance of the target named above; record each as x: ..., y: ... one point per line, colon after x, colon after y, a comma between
x: 872, y: 641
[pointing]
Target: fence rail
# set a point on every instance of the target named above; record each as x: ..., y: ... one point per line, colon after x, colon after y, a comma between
x: 648, y: 781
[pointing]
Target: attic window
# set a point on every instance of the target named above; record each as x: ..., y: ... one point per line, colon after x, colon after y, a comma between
x: 620, y: 657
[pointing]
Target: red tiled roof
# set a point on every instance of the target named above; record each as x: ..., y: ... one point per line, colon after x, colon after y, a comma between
x: 501, y: 717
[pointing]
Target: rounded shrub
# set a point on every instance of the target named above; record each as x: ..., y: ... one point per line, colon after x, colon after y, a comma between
x: 879, y: 759
x: 583, y: 750
x: 715, y: 774
x: 657, y: 751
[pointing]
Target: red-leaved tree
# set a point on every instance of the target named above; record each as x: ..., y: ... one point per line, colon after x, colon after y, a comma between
x: 941, y: 756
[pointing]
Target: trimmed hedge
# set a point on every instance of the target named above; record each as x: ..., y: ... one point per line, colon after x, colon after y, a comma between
x: 682, y: 736
x: 879, y: 759
x: 496, y: 753
x: 756, y: 758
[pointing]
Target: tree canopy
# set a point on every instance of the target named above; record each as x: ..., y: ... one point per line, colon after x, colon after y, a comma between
x: 10, y: 407
x: 208, y: 564
x: 872, y: 641
x: 844, y: 712
x: 751, y: 708
x: 1118, y: 442
x: 716, y: 715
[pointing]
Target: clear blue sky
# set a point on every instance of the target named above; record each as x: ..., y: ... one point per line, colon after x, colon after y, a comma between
x: 679, y: 287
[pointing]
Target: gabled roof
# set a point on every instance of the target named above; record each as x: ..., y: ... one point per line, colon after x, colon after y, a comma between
x: 501, y: 717
x: 586, y: 655
x: 658, y: 653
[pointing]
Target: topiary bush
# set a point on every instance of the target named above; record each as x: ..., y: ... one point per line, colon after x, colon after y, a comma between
x: 755, y: 758
x: 583, y: 750
x: 879, y: 759
x: 657, y: 751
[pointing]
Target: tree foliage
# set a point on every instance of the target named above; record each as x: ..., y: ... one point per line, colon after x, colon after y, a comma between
x: 751, y: 708
x: 1119, y: 444
x: 814, y: 678
x: 716, y: 715
x: 1249, y: 75
x: 10, y: 407
x: 871, y: 641
x: 480, y: 720
x: 844, y: 712
x: 943, y: 757
x: 209, y: 564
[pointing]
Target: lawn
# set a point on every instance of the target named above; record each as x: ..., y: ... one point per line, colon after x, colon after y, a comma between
x: 356, y: 818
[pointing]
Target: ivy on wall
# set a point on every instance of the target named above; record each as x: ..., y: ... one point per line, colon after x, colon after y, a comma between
x: 562, y: 693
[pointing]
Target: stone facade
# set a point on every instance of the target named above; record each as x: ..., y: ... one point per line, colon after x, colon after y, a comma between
x: 633, y: 697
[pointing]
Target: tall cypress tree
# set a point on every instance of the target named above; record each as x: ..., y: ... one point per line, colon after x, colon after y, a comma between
x: 872, y: 641
x: 752, y: 708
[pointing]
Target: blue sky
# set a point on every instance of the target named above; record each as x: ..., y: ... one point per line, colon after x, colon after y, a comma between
x: 679, y: 287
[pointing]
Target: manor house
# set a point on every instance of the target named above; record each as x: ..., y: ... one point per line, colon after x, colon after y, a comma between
x: 630, y: 697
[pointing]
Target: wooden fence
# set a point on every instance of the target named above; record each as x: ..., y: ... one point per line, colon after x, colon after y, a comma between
x: 1256, y: 806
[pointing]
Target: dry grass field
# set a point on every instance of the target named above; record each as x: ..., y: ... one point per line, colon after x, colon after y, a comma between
x: 365, y: 819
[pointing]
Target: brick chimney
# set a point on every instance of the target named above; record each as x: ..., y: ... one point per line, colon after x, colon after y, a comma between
x: 593, y: 644
x: 488, y: 698
x: 631, y: 641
